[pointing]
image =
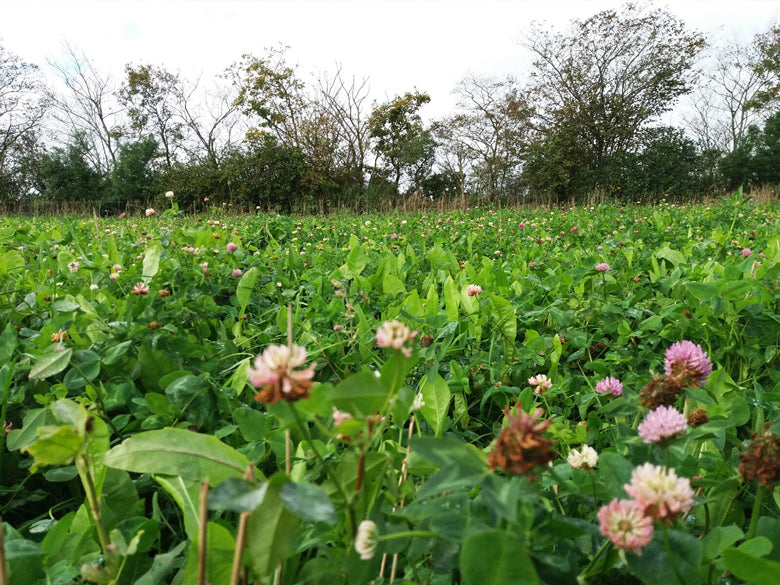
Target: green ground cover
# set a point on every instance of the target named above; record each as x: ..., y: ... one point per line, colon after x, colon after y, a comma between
x: 128, y: 346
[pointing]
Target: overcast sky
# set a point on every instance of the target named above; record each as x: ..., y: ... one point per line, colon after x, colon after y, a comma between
x: 399, y: 45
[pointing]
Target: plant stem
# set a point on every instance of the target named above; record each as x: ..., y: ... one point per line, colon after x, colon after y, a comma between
x: 409, y: 534
x: 243, y: 520
x: 585, y: 574
x: 85, y: 472
x: 759, y: 501
x: 203, y: 531
x: 3, y: 573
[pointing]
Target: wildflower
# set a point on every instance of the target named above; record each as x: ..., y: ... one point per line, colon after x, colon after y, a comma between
x: 60, y: 335
x: 661, y: 424
x: 532, y: 264
x: 7, y: 427
x: 93, y: 287
x: 762, y: 459
x: 585, y: 459
x: 539, y: 383
x: 394, y: 236
x: 366, y: 540
x: 418, y: 402
x: 520, y: 446
x: 697, y: 417
x: 687, y: 363
x: 231, y: 247
x: 661, y: 493
x: 395, y: 334
x: 113, y: 275
x: 74, y: 266
x: 659, y: 391
x: 275, y: 374
x: 611, y: 385
x: 150, y: 212
x: 573, y: 229
x: 164, y: 292
x: 121, y: 215
x: 426, y: 341
x: 602, y: 267
x: 746, y: 252
x: 339, y: 417
x: 140, y: 288
x: 169, y: 194
x: 473, y: 290
x: 237, y: 272
x: 625, y: 524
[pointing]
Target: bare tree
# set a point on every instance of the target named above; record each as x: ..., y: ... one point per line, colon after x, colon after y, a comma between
x: 345, y: 100
x: 88, y: 104
x: 723, y: 105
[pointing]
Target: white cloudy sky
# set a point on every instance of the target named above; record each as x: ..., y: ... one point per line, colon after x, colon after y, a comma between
x: 400, y: 44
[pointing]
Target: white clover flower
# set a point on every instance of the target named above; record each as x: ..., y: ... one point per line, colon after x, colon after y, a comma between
x: 418, y: 402
x: 169, y: 194
x: 585, y: 459
x: 366, y: 540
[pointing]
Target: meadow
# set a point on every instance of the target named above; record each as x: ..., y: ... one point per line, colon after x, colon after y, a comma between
x: 486, y: 396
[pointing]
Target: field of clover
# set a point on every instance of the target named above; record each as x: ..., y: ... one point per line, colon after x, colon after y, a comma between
x: 584, y: 395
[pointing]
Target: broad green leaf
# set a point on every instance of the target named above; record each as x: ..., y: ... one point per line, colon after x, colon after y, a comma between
x: 718, y: 539
x: 185, y: 492
x: 33, y: 419
x: 392, y: 285
x: 162, y: 566
x: 50, y: 364
x: 245, y: 286
x: 219, y: 563
x: 503, y: 318
x: 495, y: 557
x: 191, y: 455
x: 703, y: 291
x: 673, y: 256
x: 55, y: 446
x: 751, y: 568
x: 237, y: 495
x: 151, y: 261
x: 271, y: 530
x: 461, y: 465
x: 437, y: 398
x: 451, y: 299
x: 308, y: 501
x: 361, y: 395
x: 655, y: 567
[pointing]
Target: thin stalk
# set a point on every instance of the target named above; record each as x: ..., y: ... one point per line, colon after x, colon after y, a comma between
x: 585, y: 574
x: 668, y: 547
x: 94, y: 502
x: 243, y: 520
x: 203, y: 531
x: 759, y: 501
x: 3, y: 571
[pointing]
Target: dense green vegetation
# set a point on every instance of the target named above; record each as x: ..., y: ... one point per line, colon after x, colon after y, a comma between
x: 128, y: 347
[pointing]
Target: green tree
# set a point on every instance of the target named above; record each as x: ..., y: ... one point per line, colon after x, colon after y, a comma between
x: 67, y: 174
x: 22, y: 108
x: 596, y: 86
x: 150, y: 95
x: 400, y: 141
x: 134, y: 178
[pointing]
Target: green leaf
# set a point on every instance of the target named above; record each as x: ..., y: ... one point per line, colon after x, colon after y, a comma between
x: 672, y: 256
x: 308, y: 501
x: 252, y: 424
x: 361, y: 395
x: 655, y: 567
x: 494, y: 557
x: 55, y: 446
x: 33, y: 419
x: 221, y: 547
x: 271, y: 530
x: 11, y: 260
x: 503, y: 318
x: 151, y: 261
x: 180, y: 452
x: 751, y: 568
x: 437, y: 398
x: 185, y: 492
x: 245, y: 286
x: 161, y: 567
x: 451, y: 299
x: 718, y: 539
x: 50, y: 364
x: 704, y: 291
x: 237, y: 495
x: 461, y: 465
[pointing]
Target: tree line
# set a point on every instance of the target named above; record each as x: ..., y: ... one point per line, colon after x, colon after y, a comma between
x: 586, y: 119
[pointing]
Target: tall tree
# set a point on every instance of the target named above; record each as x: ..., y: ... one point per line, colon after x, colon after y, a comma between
x: 597, y: 85
x: 22, y: 108
x: 88, y: 106
x: 400, y: 141
x: 149, y: 94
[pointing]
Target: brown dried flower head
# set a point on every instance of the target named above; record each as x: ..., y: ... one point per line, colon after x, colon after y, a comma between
x: 762, y: 459
x: 697, y: 418
x: 520, y: 446
x: 660, y: 391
